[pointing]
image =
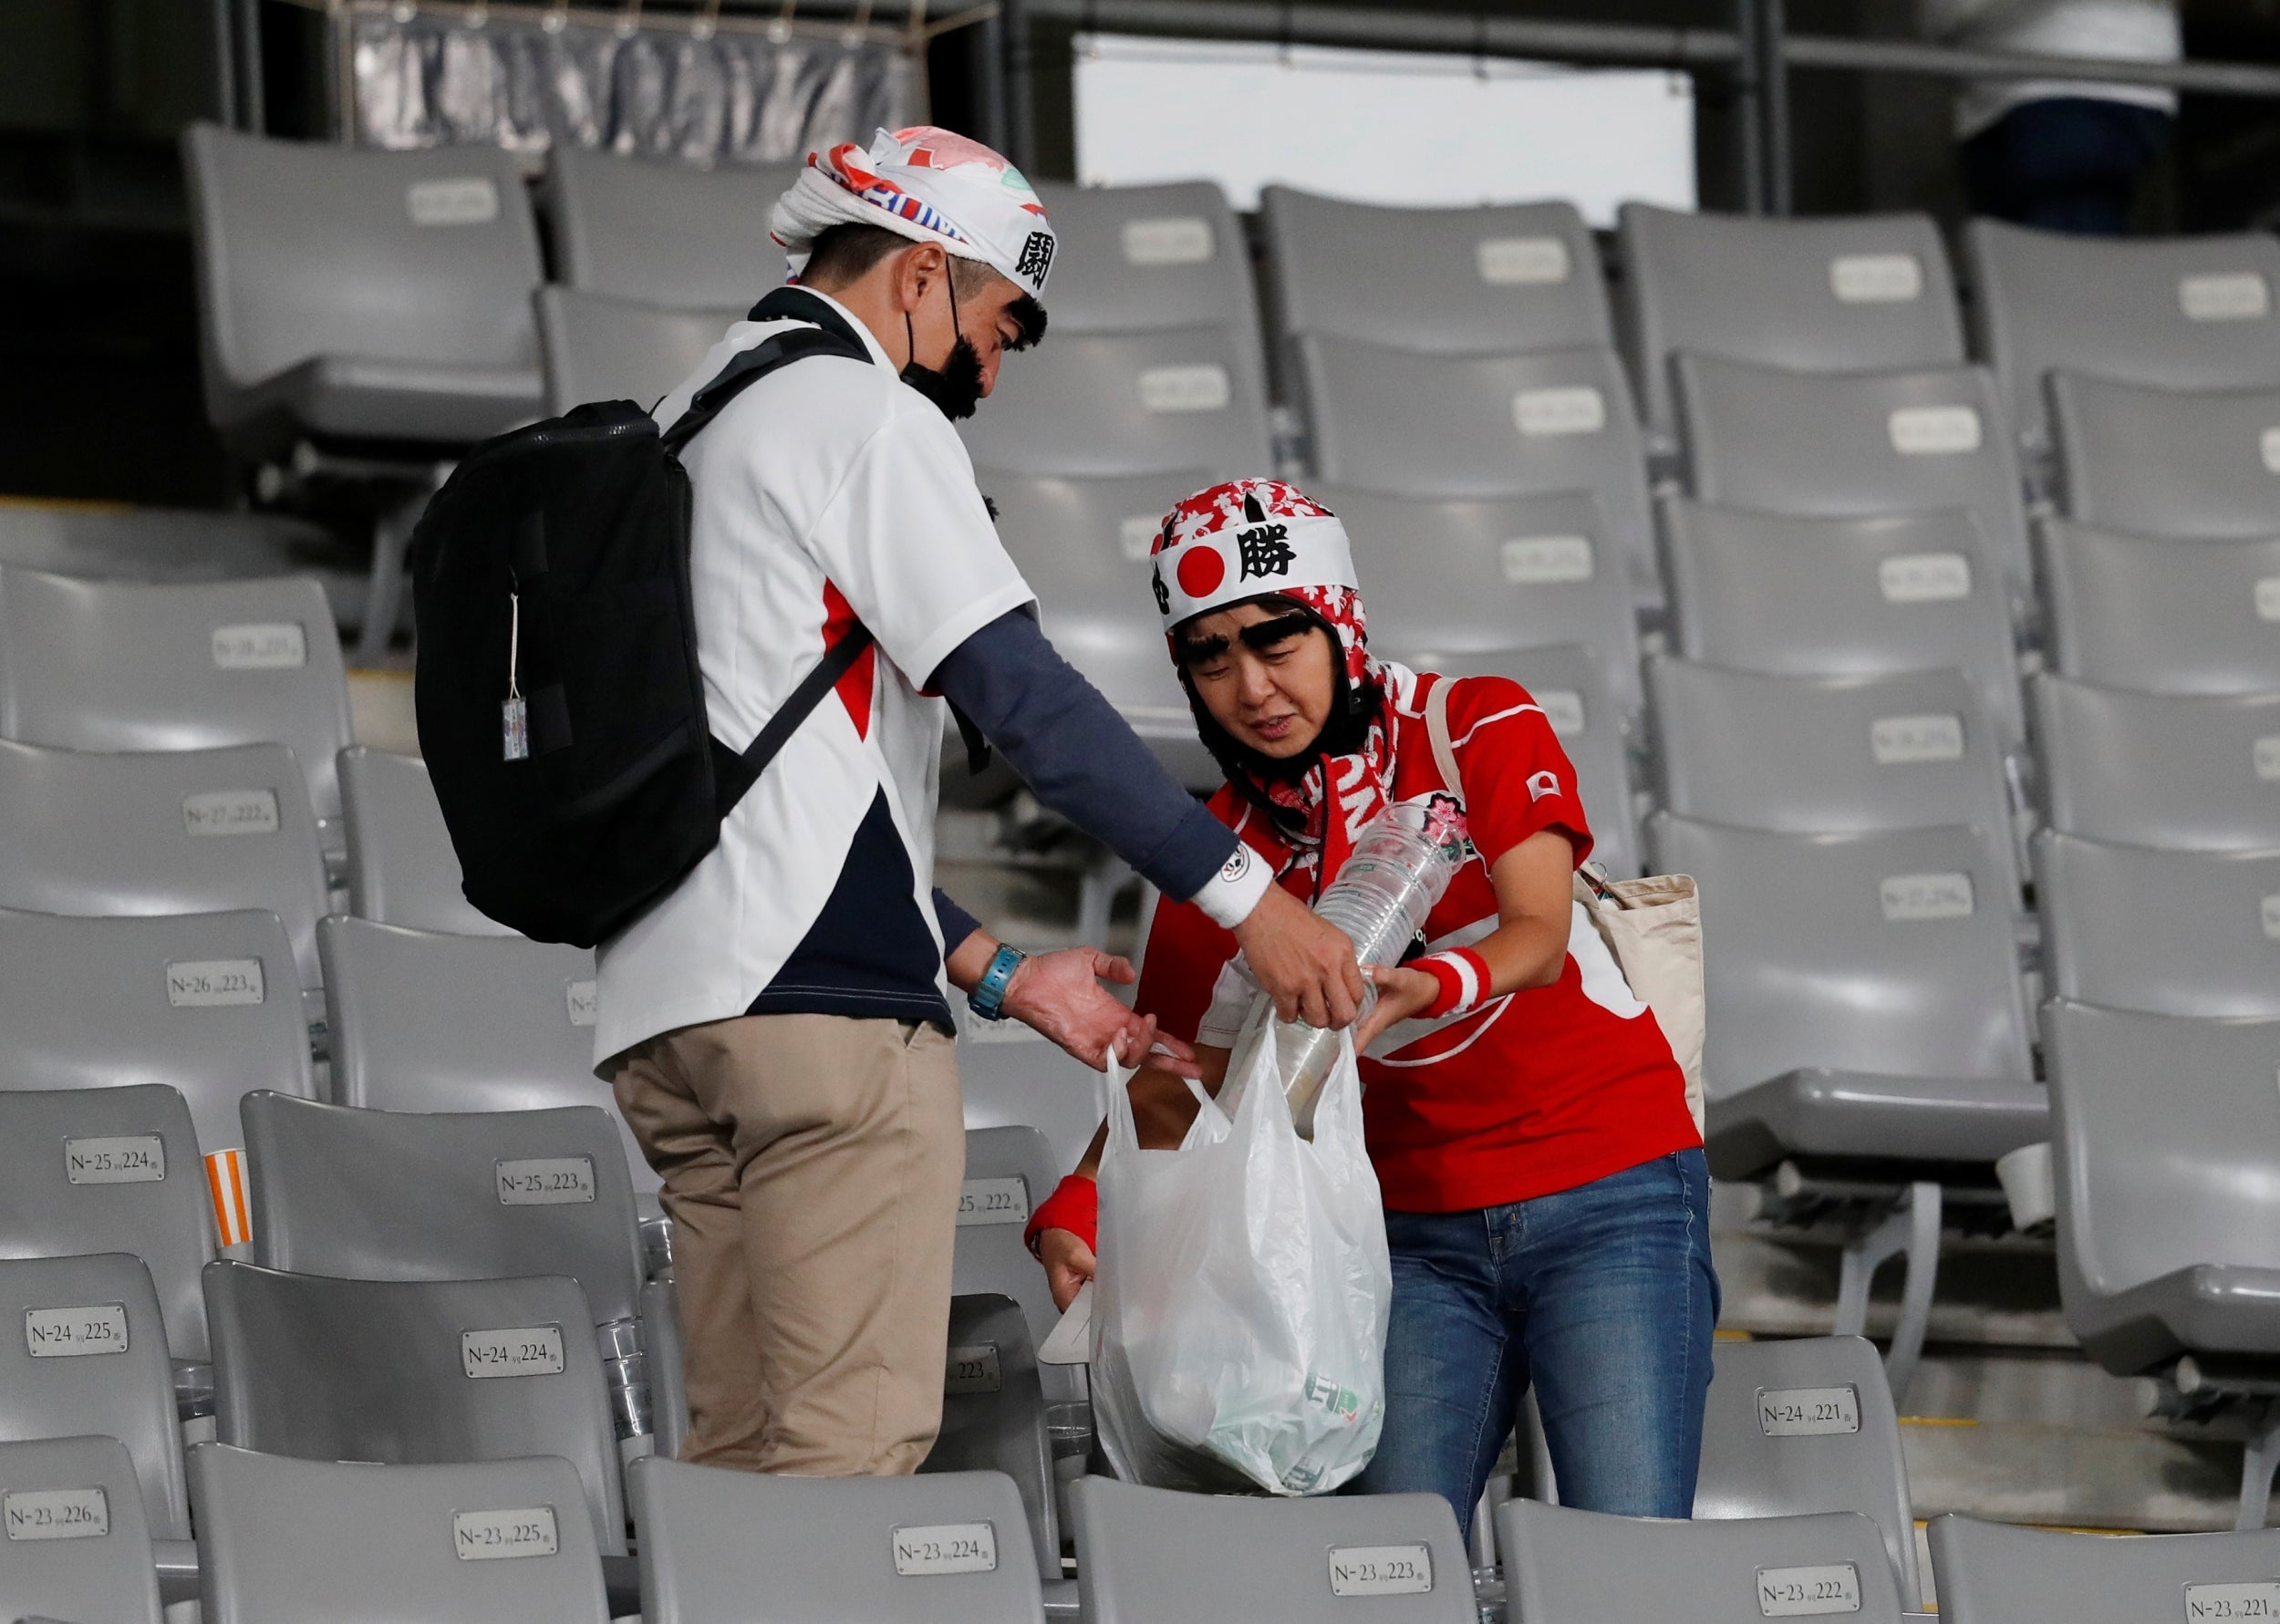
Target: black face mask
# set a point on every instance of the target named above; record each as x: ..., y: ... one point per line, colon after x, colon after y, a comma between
x: 955, y: 387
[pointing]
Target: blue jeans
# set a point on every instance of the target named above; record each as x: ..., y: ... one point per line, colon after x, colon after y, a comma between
x: 1602, y: 1294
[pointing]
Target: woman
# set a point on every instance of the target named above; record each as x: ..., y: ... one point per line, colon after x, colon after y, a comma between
x: 1547, y: 1200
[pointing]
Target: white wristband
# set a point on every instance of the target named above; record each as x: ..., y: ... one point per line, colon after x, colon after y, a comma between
x: 1229, y: 895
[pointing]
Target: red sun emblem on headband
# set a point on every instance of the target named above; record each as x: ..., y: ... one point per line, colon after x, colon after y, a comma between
x: 1201, y: 571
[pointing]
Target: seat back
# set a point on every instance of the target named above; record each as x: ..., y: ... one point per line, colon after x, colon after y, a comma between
x: 1504, y: 425
x: 1010, y: 1170
x: 413, y: 1372
x: 1841, y: 596
x: 401, y: 867
x: 1012, y: 1076
x: 77, y: 1546
x: 1156, y: 1556
x: 206, y: 1004
x: 1466, y: 574
x: 1140, y: 258
x: 2196, y: 463
x: 178, y: 832
x: 1889, y: 953
x: 1569, y: 1567
x: 111, y: 1170
x: 1992, y: 1572
x: 994, y: 1411
x: 2185, y: 932
x: 2199, y: 771
x: 155, y: 665
x: 430, y: 1196
x: 1813, y: 754
x: 599, y: 346
x: 2177, y: 616
x: 307, y: 248
x: 1569, y: 684
x: 1103, y: 404
x: 664, y: 232
x: 86, y: 1353
x: 154, y: 544
x: 945, y: 1549
x: 1839, y: 294
x: 2164, y: 1142
x: 2185, y: 311
x: 1852, y: 443
x: 1807, y: 1425
x: 283, y: 1541
x: 1507, y: 277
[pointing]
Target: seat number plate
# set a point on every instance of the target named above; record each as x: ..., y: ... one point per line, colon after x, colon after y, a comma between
x: 1202, y: 388
x: 282, y: 646
x: 60, y: 1514
x: 1924, y: 577
x: 992, y: 1200
x: 1926, y: 896
x: 496, y: 1536
x: 1934, y: 431
x: 523, y: 1350
x: 1876, y: 278
x: 2266, y: 757
x: 1578, y: 410
x: 1380, y: 1569
x: 123, y: 1159
x: 1521, y: 262
x: 974, y: 1369
x: 1800, y: 1592
x: 214, y: 983
x: 74, y: 1333
x: 546, y: 1181
x: 578, y: 997
x: 2211, y: 1604
x: 946, y: 1547
x: 232, y: 812
x: 1546, y: 560
x: 1808, y: 1411
x: 2224, y: 295
x: 1904, y: 740
x: 1173, y: 240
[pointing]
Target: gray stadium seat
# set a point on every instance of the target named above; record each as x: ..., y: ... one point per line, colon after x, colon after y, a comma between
x: 1139, y: 258
x: 1505, y: 425
x: 1831, y: 754
x: 286, y: 1541
x: 152, y: 543
x: 2162, y: 613
x: 1507, y: 277
x: 1867, y: 1025
x: 1470, y: 574
x: 1569, y: 1567
x: 1841, y: 596
x: 718, y: 1545
x: 1568, y: 682
x: 411, y: 1196
x: 413, y: 1372
x: 1156, y: 1556
x: 1083, y: 546
x: 420, y: 1020
x: 1854, y: 444
x: 1803, y: 1426
x: 1103, y: 404
x: 601, y: 347
x: 401, y: 867
x: 2184, y: 932
x: 85, y: 1352
x: 2185, y: 311
x: 2198, y: 771
x: 1011, y: 1076
x: 1839, y: 295
x: 1993, y: 1572
x: 993, y: 1412
x: 664, y: 232
x: 1010, y: 1170
x: 353, y: 294
x: 205, y: 1003
x: 171, y: 832
x: 2197, y: 463
x: 111, y: 1170
x: 77, y: 1545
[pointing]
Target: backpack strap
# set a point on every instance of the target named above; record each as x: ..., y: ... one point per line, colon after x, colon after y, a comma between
x: 1436, y: 720
x: 735, y: 771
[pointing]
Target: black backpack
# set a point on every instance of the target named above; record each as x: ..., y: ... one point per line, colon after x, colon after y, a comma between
x: 560, y: 707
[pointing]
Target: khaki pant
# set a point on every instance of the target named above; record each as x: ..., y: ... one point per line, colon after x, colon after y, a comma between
x: 811, y: 1166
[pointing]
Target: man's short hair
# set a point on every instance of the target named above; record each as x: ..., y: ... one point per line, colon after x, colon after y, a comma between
x: 845, y: 254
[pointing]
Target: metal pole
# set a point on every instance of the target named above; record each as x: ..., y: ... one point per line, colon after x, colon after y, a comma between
x: 1773, y: 103
x: 985, y: 56
x: 225, y: 61
x: 1020, y: 110
x: 255, y: 114
x: 1747, y: 113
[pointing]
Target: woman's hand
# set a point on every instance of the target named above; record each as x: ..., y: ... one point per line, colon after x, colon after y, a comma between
x: 1068, y: 1264
x: 1400, y: 995
x: 1060, y: 993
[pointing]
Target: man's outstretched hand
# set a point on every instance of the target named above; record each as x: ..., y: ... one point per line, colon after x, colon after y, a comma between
x: 1060, y: 993
x: 1305, y: 963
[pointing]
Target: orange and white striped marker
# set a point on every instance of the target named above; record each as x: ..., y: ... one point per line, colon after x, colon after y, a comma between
x: 225, y: 1181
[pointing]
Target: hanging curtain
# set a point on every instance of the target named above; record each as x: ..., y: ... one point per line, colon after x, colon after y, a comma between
x: 735, y: 97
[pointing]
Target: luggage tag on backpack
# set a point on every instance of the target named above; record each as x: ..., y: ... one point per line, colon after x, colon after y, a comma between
x: 514, y: 715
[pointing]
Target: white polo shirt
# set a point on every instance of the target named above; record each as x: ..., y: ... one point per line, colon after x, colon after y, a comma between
x: 830, y: 492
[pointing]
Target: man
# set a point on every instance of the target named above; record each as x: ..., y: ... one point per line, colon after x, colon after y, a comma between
x: 777, y: 1027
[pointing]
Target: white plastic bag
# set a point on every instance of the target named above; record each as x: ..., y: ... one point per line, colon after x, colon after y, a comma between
x: 1240, y: 1306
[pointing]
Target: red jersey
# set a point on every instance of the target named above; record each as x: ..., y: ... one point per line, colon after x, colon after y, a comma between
x: 1537, y: 1092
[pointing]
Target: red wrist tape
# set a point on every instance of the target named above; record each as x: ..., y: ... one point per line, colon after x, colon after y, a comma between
x: 1075, y: 1206
x: 1464, y: 977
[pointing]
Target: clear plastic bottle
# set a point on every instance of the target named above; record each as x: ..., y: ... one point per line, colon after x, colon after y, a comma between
x: 1401, y: 865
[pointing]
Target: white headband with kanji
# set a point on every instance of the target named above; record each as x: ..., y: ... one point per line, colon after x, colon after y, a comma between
x: 1215, y: 553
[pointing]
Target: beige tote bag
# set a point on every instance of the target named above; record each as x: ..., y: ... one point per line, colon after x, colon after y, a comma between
x: 1652, y: 926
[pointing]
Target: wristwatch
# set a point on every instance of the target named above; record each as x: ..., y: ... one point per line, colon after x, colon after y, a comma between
x: 988, y: 998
